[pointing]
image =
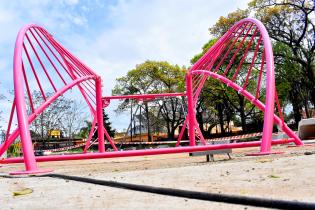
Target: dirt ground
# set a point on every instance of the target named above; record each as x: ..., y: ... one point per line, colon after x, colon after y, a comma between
x: 288, y: 176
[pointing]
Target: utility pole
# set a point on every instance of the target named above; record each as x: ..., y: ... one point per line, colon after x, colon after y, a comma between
x: 130, y: 120
x: 140, y: 121
x: 148, y: 121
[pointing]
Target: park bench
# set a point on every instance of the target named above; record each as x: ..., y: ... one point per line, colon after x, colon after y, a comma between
x: 210, y: 153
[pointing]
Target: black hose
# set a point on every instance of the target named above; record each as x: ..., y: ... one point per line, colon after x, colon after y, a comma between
x: 233, y: 199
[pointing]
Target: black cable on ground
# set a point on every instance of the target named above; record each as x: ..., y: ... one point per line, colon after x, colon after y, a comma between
x: 233, y: 199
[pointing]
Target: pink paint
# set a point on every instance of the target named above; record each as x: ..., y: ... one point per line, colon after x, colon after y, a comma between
x: 90, y: 86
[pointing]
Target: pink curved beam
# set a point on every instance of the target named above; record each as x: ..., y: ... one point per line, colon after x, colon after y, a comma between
x: 253, y: 100
x: 28, y: 153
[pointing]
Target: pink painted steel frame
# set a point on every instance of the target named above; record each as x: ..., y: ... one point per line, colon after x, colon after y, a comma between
x: 83, y: 78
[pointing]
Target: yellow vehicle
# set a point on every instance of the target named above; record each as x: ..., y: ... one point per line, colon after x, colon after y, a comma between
x: 54, y: 134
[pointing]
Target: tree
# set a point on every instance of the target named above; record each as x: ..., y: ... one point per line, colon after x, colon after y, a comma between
x: 108, y: 125
x: 71, y: 121
x: 84, y: 131
x: 155, y: 77
x: 63, y: 114
x: 290, y: 86
x: 292, y: 23
x: 225, y: 23
x: 291, y: 28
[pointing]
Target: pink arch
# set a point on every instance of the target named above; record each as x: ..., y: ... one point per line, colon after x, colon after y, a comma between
x: 268, y: 108
x: 24, y: 120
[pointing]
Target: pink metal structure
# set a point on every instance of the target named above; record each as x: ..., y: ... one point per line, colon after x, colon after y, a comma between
x: 242, y: 59
x: 245, y: 42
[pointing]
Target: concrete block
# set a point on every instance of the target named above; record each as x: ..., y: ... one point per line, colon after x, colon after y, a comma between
x: 307, y: 128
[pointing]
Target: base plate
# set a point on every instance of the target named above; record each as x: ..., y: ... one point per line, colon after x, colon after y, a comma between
x: 264, y: 153
x: 31, y: 172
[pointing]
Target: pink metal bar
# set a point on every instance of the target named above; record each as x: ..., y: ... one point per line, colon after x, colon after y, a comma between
x: 110, y: 140
x: 80, y: 71
x: 216, y: 53
x: 231, y: 47
x: 44, y: 51
x: 279, y: 108
x: 252, y: 63
x: 91, y: 99
x: 87, y: 100
x: 84, y: 94
x: 88, y: 89
x: 181, y: 133
x: 27, y: 88
x: 34, y: 72
x: 237, y: 50
x: 191, y: 110
x: 260, y: 74
x: 203, y: 141
x: 227, y: 37
x: 206, y: 56
x: 99, y: 114
x: 52, y: 52
x: 67, y: 57
x: 74, y: 59
x: 131, y: 153
x: 10, y: 120
x: 197, y: 82
x: 245, y: 55
x: 27, y: 147
x: 141, y: 96
x: 91, y: 85
x: 88, y: 142
x: 41, y: 63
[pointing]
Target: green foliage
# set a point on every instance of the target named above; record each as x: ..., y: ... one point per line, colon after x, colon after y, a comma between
x: 291, y: 28
x: 84, y: 131
x: 155, y: 77
x: 291, y: 24
x: 225, y: 23
x: 150, y: 77
x: 14, y: 150
x: 205, y: 48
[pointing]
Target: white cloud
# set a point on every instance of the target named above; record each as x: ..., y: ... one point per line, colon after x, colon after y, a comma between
x: 137, y: 30
x: 71, y: 2
x: 173, y: 31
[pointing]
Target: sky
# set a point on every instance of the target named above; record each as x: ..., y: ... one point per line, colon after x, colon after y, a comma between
x: 112, y: 36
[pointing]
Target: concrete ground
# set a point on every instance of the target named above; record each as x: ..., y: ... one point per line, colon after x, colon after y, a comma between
x: 289, y: 176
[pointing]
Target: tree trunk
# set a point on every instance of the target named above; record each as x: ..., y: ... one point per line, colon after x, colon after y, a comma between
x: 172, y: 134
x: 296, y: 108
x: 242, y: 112
x: 148, y: 121
x: 200, y: 122
x: 305, y: 101
x: 169, y: 132
x: 221, y: 117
